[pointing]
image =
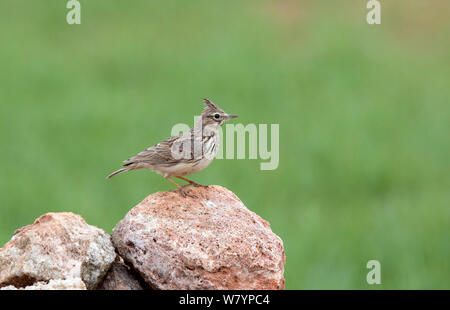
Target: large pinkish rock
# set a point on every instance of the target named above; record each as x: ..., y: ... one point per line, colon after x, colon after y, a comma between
x: 209, y: 242
x: 58, y: 246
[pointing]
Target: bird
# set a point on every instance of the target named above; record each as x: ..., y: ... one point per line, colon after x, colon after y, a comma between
x: 186, y: 153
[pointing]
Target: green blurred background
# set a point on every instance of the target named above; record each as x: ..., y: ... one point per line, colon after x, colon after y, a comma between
x: 363, y: 110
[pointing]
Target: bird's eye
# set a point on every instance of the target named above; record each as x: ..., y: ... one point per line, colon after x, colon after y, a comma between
x: 217, y: 116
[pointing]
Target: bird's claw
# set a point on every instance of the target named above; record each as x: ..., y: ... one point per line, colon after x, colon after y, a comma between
x: 185, y: 194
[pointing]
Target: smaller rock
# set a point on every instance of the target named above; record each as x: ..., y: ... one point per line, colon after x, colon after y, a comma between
x: 57, y: 246
x: 68, y: 284
x: 120, y: 277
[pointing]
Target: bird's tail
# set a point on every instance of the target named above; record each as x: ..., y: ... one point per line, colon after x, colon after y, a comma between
x: 117, y: 172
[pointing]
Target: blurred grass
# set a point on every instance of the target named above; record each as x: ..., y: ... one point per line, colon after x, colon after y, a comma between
x: 363, y: 111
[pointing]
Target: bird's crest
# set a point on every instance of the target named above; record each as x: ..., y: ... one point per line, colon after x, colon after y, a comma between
x: 210, y: 106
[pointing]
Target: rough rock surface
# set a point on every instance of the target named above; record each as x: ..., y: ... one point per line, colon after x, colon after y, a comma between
x: 209, y: 242
x: 68, y: 284
x: 120, y: 277
x: 57, y: 246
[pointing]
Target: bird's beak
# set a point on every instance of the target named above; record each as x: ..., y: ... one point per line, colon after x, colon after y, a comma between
x: 230, y: 116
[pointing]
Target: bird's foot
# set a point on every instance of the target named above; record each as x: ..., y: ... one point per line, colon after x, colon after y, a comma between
x: 186, y: 194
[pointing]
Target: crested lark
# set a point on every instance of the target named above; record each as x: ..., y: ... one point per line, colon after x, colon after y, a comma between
x: 185, y: 154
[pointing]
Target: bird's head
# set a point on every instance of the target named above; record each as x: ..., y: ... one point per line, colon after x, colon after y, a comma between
x: 213, y: 115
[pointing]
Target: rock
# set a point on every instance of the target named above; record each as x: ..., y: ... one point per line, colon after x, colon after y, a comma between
x: 209, y: 242
x: 120, y: 277
x: 57, y: 246
x: 69, y: 284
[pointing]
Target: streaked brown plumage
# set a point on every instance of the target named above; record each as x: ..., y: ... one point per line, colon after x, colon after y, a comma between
x: 184, y: 154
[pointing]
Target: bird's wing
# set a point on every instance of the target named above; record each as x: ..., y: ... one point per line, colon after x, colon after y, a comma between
x: 160, y: 153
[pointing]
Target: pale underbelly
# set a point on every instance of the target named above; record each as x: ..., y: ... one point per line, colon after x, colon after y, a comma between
x: 181, y: 169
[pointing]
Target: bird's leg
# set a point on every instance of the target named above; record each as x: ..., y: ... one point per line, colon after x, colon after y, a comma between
x: 181, y: 189
x: 192, y: 182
